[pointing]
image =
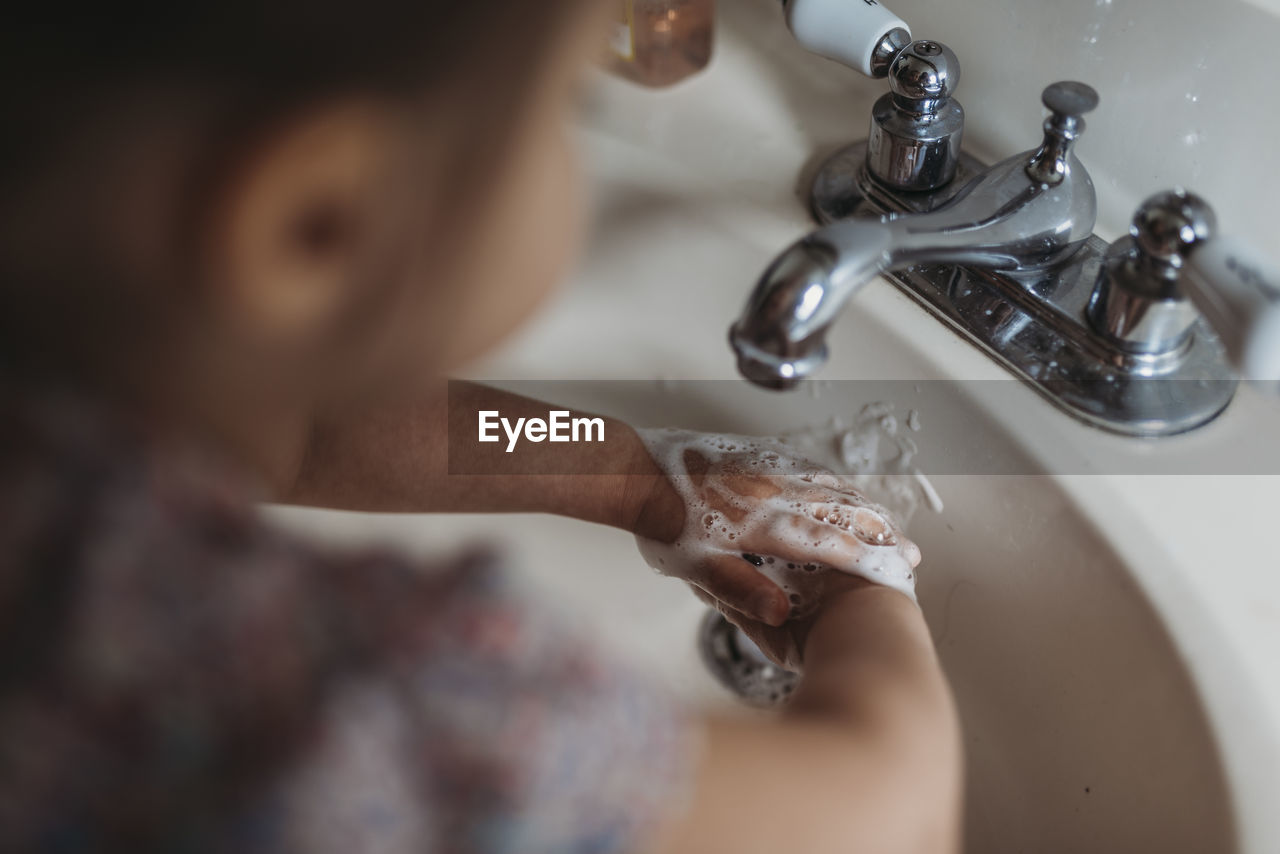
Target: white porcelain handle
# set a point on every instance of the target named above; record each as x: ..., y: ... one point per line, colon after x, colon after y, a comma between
x: 847, y: 31
x: 1238, y: 290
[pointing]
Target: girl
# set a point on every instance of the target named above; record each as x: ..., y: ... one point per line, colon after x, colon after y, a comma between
x: 240, y: 245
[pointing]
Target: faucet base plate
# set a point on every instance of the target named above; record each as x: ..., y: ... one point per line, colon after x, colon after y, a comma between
x: 1036, y: 325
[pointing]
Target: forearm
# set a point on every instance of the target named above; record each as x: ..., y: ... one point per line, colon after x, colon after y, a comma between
x: 866, y: 757
x: 869, y: 657
x: 399, y: 459
x: 871, y: 674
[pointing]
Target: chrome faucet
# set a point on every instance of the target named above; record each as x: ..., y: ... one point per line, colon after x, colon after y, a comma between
x: 1147, y: 337
x: 1028, y: 213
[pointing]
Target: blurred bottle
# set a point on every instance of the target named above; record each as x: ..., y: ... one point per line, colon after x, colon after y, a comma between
x: 660, y: 42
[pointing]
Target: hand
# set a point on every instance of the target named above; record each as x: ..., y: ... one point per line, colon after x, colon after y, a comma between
x: 784, y: 645
x: 761, y: 530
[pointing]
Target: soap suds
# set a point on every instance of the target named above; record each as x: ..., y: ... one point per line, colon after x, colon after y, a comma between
x: 876, y: 455
x: 800, y: 517
x: 759, y: 499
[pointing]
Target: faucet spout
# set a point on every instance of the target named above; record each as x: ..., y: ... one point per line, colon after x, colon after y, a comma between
x: 1009, y: 219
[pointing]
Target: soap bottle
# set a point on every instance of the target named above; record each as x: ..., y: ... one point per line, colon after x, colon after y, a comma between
x: 661, y: 42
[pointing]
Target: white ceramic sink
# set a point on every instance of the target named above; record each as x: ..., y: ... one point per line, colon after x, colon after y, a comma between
x: 1113, y: 699
x: 1083, y: 729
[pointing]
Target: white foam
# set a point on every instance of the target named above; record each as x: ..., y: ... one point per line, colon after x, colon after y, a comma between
x: 761, y: 497
x: 876, y: 455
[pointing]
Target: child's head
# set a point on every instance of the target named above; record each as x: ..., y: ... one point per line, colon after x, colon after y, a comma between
x: 276, y: 199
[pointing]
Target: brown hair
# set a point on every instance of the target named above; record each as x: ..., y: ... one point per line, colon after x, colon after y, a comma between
x: 75, y: 80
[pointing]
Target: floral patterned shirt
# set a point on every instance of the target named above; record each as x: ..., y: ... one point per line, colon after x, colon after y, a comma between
x: 177, y: 676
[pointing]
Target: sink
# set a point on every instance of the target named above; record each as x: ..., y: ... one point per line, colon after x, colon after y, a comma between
x: 1082, y: 727
x: 1114, y: 699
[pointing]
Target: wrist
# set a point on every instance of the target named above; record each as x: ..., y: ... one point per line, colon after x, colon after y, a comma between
x: 649, y: 505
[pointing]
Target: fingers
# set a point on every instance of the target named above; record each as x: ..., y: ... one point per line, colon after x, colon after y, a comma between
x: 754, y: 486
x: 823, y: 497
x: 803, y: 544
x: 842, y: 484
x: 736, y: 582
x: 777, y: 643
x: 837, y: 536
x: 865, y: 524
x: 796, y: 519
x: 704, y: 597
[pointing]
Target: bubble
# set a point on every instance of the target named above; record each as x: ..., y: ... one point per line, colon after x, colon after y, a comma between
x: 779, y: 518
x: 872, y: 528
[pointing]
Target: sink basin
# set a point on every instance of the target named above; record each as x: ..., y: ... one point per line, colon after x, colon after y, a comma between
x: 1083, y: 728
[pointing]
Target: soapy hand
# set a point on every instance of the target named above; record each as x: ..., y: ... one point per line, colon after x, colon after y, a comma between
x: 764, y: 529
x: 784, y: 644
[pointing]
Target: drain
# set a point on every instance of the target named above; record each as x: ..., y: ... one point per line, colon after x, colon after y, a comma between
x: 739, y: 665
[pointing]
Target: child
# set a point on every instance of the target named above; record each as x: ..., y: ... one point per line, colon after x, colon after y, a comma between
x: 241, y: 245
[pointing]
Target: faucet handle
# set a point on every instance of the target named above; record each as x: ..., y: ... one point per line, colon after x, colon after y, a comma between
x: 916, y: 129
x: 914, y: 144
x: 1237, y: 289
x: 1233, y: 285
x: 1067, y: 101
x: 1174, y: 266
x: 923, y: 76
x: 862, y: 35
